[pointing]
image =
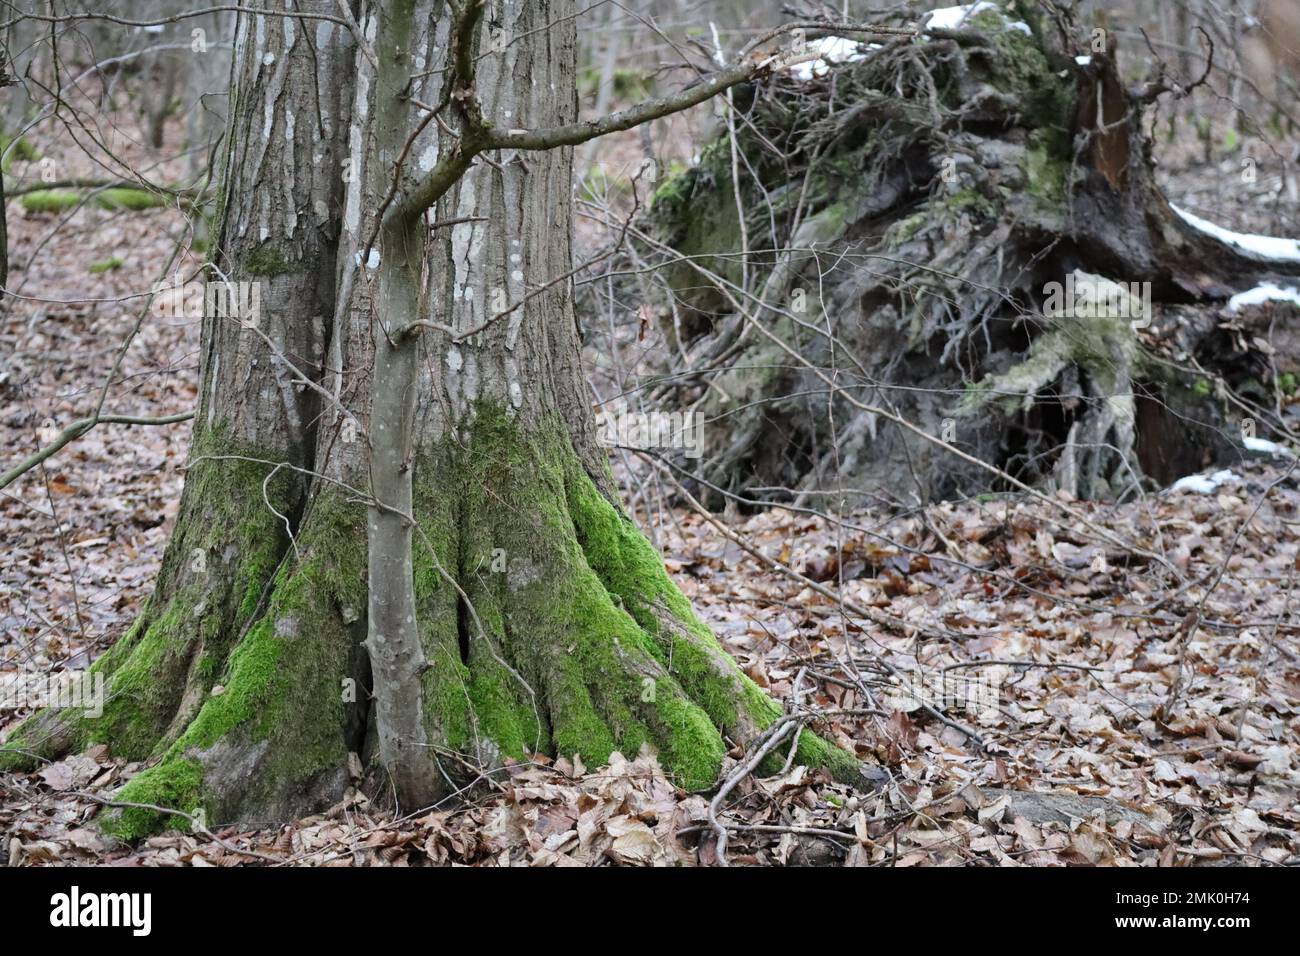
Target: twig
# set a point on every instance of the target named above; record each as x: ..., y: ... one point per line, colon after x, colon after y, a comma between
x: 775, y: 734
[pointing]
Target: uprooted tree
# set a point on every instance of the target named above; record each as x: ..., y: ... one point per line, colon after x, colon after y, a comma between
x: 400, y: 554
x: 878, y: 320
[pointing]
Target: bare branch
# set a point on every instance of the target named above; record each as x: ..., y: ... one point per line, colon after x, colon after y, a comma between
x: 75, y: 431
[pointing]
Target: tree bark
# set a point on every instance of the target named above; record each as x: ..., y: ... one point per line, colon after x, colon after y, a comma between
x: 254, y: 430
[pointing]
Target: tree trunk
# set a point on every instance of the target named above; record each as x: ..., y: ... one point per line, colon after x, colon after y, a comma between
x: 254, y: 431
x: 458, y: 584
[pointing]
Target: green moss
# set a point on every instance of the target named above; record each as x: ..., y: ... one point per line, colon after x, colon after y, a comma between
x: 106, y: 265
x: 1046, y: 170
x: 673, y: 188
x: 967, y: 200
x: 140, y: 702
x: 253, y: 668
x: 695, y: 213
x: 132, y: 200
x: 906, y: 229
x: 61, y: 200
x: 813, y: 751
x: 629, y: 568
x: 280, y: 684
x: 466, y: 703
x: 267, y: 260
x: 502, y: 716
x: 581, y: 661
x: 692, y: 746
x: 177, y: 785
x: 600, y: 651
x: 578, y: 728
x: 1020, y: 68
x: 49, y: 201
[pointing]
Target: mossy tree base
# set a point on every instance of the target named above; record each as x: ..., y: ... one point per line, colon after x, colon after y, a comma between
x: 570, y: 637
x: 271, y: 738
x: 548, y: 621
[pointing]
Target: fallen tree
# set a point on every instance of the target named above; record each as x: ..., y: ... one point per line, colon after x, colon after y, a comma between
x: 953, y: 264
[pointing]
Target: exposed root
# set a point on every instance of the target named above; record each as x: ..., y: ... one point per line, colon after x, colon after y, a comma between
x: 272, y: 739
x: 548, y: 622
x: 212, y: 583
x: 906, y: 215
x: 1100, y: 347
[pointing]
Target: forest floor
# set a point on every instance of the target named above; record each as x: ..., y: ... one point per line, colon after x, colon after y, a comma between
x: 1044, y: 681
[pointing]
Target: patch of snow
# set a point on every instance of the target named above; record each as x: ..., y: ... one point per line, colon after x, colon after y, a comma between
x: 1258, y: 247
x: 1204, y: 484
x: 954, y: 18
x: 827, y: 51
x: 1083, y: 60
x: 1266, y: 447
x: 1268, y: 292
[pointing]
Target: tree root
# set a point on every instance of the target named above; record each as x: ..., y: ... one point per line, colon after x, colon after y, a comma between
x: 547, y: 620
x: 227, y: 545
